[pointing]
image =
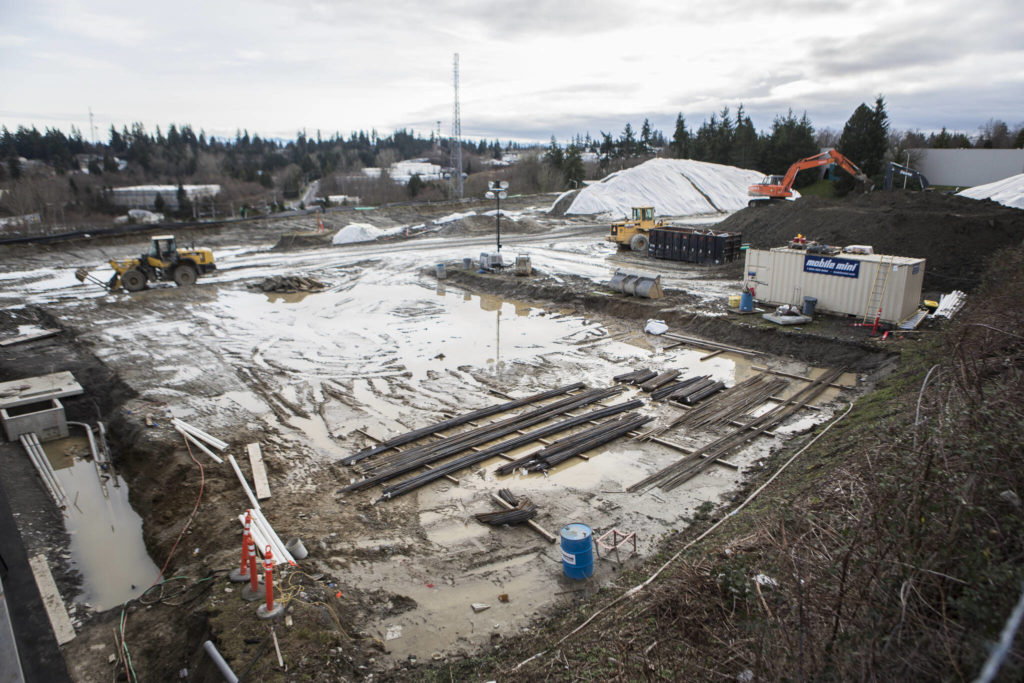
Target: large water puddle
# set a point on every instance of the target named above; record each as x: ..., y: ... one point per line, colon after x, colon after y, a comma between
x: 106, y: 533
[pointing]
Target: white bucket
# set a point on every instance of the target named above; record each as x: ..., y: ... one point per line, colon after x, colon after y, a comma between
x: 295, y: 547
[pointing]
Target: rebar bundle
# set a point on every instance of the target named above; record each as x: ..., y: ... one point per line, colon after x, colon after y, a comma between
x: 402, y: 462
x: 416, y: 434
x: 573, y: 445
x: 524, y: 510
x: 636, y: 377
x: 683, y: 470
x: 471, y: 459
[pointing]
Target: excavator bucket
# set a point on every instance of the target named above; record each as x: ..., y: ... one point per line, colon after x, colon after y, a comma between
x: 637, y: 284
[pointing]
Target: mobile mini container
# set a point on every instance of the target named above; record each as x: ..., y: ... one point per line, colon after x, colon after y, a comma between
x: 843, y: 284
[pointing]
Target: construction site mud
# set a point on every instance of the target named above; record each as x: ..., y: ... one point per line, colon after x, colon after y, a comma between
x: 386, y: 347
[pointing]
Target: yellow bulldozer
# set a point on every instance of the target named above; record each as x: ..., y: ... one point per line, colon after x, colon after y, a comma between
x: 633, y: 233
x: 164, y: 262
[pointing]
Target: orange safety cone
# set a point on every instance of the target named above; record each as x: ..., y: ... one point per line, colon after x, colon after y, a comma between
x: 251, y: 592
x: 269, y: 610
x: 242, y: 574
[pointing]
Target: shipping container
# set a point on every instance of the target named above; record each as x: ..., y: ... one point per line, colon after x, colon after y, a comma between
x: 843, y: 284
x: 694, y: 245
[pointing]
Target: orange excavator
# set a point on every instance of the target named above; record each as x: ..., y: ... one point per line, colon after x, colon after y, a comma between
x: 775, y: 187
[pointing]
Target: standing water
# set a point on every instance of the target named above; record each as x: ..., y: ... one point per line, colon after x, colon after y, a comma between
x: 106, y: 533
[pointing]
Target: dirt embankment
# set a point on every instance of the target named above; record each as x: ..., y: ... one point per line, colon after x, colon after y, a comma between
x: 956, y: 235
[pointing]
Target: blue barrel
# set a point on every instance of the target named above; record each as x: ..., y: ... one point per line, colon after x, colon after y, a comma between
x: 441, y: 271
x: 577, y: 551
x: 809, y: 303
x: 746, y: 301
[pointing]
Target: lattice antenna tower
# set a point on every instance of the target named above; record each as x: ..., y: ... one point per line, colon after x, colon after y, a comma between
x: 457, y: 132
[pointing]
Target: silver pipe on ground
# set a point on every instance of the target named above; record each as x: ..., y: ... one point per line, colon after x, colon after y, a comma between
x: 225, y: 670
x: 95, y: 455
x: 30, y: 442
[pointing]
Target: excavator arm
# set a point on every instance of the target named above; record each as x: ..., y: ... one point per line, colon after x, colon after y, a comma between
x: 784, y: 189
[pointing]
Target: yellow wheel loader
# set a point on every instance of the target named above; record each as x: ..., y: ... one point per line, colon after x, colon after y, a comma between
x: 164, y: 262
x: 635, y: 233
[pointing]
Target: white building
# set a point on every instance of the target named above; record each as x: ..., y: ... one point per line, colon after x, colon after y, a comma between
x: 967, y: 167
x: 144, y: 196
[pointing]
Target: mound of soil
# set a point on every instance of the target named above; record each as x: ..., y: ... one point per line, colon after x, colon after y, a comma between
x: 956, y: 235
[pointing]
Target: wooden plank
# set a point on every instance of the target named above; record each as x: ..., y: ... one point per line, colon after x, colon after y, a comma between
x: 42, y: 334
x: 259, y: 471
x: 532, y: 524
x: 52, y: 601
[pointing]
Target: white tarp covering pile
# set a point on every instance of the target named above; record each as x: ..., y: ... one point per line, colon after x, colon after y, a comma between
x: 674, y: 187
x: 357, y: 232
x: 1008, y: 191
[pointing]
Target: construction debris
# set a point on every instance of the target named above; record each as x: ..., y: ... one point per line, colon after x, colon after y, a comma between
x: 288, y: 284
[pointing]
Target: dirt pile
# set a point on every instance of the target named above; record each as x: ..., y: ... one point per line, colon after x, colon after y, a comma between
x: 956, y: 235
x: 287, y: 284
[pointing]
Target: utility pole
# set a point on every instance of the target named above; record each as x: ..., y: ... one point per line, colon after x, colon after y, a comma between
x: 92, y: 127
x: 457, y: 131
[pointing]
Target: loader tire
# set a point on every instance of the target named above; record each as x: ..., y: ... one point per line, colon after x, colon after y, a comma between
x: 639, y: 243
x: 185, y: 275
x: 133, y: 280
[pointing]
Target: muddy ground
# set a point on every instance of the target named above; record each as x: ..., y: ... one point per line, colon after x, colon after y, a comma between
x: 315, y: 377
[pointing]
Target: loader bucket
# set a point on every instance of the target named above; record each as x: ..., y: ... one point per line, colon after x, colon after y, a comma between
x: 637, y: 284
x: 81, y: 274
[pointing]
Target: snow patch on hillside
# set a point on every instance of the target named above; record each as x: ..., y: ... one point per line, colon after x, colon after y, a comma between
x: 1008, y: 191
x: 674, y: 187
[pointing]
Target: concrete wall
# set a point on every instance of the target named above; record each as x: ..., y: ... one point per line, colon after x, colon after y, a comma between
x: 968, y: 167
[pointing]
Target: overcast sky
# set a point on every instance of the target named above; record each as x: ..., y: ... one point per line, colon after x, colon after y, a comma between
x: 529, y: 69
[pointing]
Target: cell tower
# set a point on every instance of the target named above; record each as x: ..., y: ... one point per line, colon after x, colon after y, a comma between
x: 457, y: 133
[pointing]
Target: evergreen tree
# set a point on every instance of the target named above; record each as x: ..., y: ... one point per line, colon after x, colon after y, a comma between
x: 865, y: 137
x: 790, y: 140
x: 573, y: 167
x: 555, y: 157
x: 627, y: 143
x: 744, y: 153
x: 645, y: 137
x: 720, y: 143
x: 681, y: 146
x: 416, y: 185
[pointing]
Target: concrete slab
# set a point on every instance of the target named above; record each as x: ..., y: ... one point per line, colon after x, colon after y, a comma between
x: 19, y: 392
x: 52, y: 600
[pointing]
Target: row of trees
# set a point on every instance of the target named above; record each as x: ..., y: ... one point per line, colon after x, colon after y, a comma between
x: 727, y: 138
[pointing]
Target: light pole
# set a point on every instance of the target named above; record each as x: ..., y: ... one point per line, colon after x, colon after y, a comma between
x: 497, y: 191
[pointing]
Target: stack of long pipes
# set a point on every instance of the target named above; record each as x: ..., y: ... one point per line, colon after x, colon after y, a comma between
x: 511, y: 444
x: 573, y: 445
x: 683, y: 470
x: 30, y: 442
x: 416, y: 434
x: 400, y: 463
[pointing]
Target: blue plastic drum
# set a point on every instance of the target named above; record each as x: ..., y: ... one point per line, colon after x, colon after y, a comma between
x: 577, y: 551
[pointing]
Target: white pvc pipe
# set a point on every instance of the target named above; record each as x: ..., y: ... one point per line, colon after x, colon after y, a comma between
x: 245, y: 484
x: 200, y: 434
x: 198, y: 444
x: 225, y: 670
x: 36, y: 454
x: 275, y: 541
